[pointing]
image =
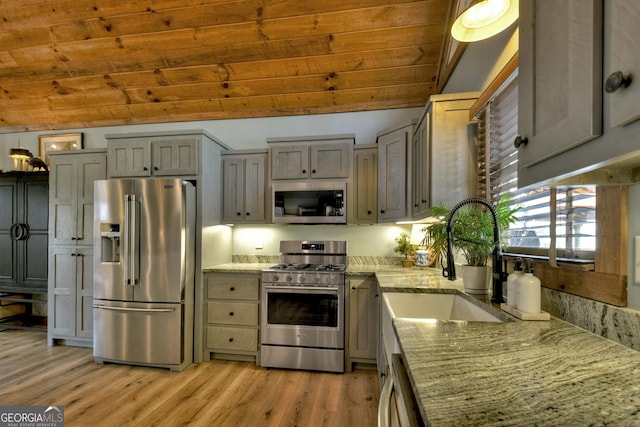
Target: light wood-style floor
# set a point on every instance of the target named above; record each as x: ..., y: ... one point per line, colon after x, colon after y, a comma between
x: 213, y: 393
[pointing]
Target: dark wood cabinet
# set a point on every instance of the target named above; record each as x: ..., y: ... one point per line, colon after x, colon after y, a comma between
x: 24, y: 235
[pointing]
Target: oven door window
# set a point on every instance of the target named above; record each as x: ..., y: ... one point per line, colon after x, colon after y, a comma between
x: 308, y: 309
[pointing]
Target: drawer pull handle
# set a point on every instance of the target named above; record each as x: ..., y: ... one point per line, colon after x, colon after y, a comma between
x: 232, y: 289
x: 231, y: 313
x: 230, y: 339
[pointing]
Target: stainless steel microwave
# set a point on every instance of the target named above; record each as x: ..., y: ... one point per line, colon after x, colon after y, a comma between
x: 309, y: 202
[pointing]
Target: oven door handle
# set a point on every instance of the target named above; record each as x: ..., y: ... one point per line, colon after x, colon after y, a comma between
x: 301, y: 288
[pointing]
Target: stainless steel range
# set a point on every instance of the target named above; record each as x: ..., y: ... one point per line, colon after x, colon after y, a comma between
x: 302, y: 307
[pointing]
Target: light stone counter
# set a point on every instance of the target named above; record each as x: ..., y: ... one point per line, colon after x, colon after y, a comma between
x: 543, y: 373
x: 519, y: 373
x: 238, y: 267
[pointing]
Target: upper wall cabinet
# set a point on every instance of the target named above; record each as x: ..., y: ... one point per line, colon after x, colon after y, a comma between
x: 171, y: 155
x: 365, y: 183
x: 624, y: 63
x: 394, y: 173
x: 442, y: 153
x: 578, y: 104
x: 244, y: 181
x: 311, y: 157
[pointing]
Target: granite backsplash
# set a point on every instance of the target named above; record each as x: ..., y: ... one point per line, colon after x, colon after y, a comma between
x: 618, y: 324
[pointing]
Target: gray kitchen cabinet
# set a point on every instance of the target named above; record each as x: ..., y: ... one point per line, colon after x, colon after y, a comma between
x: 71, y: 244
x: 560, y: 96
x: 363, y: 319
x: 244, y: 186
x: 232, y: 315
x: 420, y: 166
x: 573, y: 123
x: 168, y: 155
x: 312, y: 157
x: 23, y: 232
x: 446, y: 168
x: 622, y: 56
x: 71, y: 195
x: 394, y: 173
x: 365, y: 183
x: 70, y: 309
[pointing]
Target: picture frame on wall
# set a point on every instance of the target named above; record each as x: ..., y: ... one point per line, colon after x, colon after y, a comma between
x: 58, y: 142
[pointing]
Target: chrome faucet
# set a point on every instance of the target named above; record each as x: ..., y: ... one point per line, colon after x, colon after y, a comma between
x: 449, y: 271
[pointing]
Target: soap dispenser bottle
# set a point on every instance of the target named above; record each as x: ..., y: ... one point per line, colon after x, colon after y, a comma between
x: 528, y: 290
x: 512, y: 283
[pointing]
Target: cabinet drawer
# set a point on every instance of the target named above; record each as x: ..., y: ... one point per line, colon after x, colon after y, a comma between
x: 233, y: 287
x: 232, y: 313
x: 232, y: 338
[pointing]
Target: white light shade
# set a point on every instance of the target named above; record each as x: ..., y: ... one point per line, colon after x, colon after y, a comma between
x: 484, y: 19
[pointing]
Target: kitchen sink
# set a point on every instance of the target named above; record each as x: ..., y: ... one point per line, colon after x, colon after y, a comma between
x: 435, y: 306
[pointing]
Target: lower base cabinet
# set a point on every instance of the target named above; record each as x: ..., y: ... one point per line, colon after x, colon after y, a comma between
x: 362, y: 320
x: 70, y: 296
x: 232, y: 316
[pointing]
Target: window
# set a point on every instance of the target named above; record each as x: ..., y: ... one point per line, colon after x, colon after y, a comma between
x: 565, y: 216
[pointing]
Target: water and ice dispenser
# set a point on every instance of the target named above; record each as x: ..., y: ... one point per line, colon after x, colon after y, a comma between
x: 110, y: 242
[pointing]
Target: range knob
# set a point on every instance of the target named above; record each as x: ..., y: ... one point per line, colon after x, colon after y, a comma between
x: 302, y: 278
x: 276, y: 277
x: 289, y: 278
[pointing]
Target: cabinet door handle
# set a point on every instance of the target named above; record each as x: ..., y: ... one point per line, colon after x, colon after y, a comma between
x: 238, y: 213
x: 232, y: 289
x: 313, y: 171
x: 520, y: 141
x: 231, y: 313
x: 617, y: 80
x: 15, y: 231
x: 145, y: 168
x: 381, y: 211
x: 304, y: 171
x: 247, y: 214
x: 368, y: 212
x: 155, y: 168
x: 19, y: 231
x: 230, y: 339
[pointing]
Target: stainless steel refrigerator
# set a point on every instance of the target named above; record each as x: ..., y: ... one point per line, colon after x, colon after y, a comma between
x: 144, y: 272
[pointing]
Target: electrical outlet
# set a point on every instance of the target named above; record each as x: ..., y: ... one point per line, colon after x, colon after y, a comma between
x: 259, y: 244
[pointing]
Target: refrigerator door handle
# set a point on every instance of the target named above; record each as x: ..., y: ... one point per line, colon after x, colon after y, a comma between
x: 133, y: 248
x: 127, y: 241
x: 146, y: 310
x: 128, y: 245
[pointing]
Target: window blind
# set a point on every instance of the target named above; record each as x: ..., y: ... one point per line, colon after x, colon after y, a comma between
x: 574, y: 222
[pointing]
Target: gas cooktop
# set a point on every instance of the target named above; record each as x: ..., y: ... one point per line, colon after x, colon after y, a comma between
x: 308, y: 267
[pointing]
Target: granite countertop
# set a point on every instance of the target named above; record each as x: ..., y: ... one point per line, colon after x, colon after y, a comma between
x: 519, y: 373
x: 512, y: 373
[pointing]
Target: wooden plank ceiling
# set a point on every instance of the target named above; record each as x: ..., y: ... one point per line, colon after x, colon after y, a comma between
x: 84, y: 63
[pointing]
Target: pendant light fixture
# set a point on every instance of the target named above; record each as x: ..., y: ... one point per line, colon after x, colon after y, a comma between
x: 484, y: 19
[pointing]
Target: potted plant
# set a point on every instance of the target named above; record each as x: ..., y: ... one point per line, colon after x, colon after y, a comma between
x: 472, y: 231
x: 405, y: 248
